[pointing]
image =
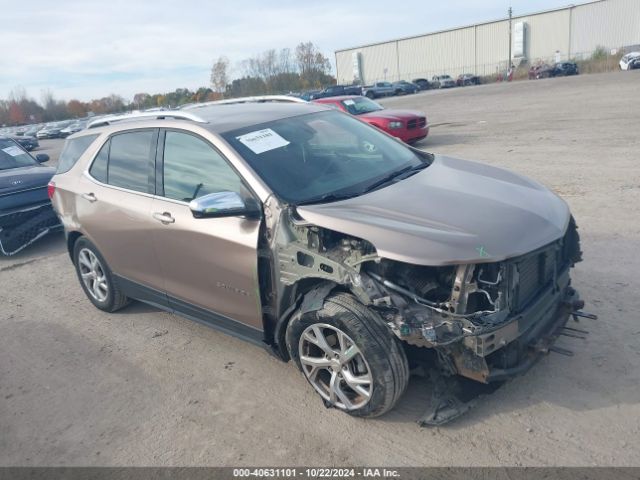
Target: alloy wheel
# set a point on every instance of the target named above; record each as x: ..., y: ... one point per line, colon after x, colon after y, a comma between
x: 335, y: 366
x: 93, y: 275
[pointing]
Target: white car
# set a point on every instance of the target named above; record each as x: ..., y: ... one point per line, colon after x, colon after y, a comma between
x: 443, y: 81
x: 629, y: 61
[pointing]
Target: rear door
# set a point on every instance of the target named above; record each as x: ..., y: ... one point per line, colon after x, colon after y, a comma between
x: 209, y: 264
x: 113, y: 205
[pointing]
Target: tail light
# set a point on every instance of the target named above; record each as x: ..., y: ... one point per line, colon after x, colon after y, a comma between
x: 51, y: 189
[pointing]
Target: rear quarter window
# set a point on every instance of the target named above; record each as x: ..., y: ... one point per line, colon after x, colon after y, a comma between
x: 73, y: 150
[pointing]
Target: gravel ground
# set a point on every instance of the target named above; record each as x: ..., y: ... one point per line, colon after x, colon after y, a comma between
x: 143, y: 387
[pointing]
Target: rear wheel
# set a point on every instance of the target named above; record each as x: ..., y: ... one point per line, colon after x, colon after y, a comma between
x: 349, y: 356
x: 96, y: 278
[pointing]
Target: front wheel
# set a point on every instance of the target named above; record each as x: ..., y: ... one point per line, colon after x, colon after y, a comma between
x: 349, y: 356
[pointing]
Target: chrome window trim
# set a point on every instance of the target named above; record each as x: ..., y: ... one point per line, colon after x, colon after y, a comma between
x: 120, y: 189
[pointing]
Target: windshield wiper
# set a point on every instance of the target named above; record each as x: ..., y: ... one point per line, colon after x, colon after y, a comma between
x: 398, y: 174
x: 330, y: 197
x: 334, y: 197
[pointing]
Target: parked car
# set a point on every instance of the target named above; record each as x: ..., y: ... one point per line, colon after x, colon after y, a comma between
x: 72, y: 128
x: 309, y: 95
x: 30, y: 131
x: 378, y: 89
x: 25, y: 210
x: 541, y: 70
x: 630, y: 61
x: 336, y: 90
x: 408, y: 125
x: 466, y: 79
x: 563, y: 69
x: 312, y: 234
x: 49, y: 131
x: 442, y: 81
x: 422, y: 83
x: 27, y: 142
x: 403, y: 87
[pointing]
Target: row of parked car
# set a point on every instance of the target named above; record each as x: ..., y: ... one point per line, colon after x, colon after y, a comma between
x: 28, y: 136
x: 387, y: 89
x: 560, y: 69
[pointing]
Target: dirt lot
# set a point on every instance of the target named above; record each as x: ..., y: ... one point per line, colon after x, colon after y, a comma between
x: 143, y: 387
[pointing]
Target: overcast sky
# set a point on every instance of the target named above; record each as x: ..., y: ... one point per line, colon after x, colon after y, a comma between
x: 91, y: 48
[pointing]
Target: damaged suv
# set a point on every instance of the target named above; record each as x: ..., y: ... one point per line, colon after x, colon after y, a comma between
x: 303, y: 229
x: 25, y: 209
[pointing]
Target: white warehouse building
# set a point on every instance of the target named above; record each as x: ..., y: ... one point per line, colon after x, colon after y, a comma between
x: 572, y: 32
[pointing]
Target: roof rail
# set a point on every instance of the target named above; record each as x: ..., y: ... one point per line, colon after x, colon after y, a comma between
x: 160, y: 115
x: 255, y: 99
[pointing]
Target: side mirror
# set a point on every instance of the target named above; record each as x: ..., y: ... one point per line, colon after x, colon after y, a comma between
x: 42, y: 157
x: 224, y: 204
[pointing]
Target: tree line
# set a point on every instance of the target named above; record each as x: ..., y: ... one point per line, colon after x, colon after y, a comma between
x: 271, y: 72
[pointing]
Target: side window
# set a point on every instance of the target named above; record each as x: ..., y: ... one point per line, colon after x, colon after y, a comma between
x: 192, y: 168
x: 130, y: 160
x: 98, y: 168
x: 73, y: 150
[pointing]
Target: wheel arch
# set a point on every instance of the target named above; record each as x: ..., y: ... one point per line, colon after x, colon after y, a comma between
x: 306, y: 294
x: 72, y: 238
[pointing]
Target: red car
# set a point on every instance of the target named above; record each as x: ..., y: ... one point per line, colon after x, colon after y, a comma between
x: 408, y: 125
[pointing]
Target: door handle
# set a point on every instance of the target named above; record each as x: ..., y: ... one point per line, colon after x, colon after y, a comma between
x: 164, y: 217
x: 89, y: 197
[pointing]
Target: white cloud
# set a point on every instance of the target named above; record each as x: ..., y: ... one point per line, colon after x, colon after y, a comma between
x: 86, y: 49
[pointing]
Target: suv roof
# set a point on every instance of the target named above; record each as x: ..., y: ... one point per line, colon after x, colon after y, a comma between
x: 219, y: 118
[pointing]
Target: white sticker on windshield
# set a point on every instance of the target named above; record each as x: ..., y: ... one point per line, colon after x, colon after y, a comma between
x: 13, y: 151
x: 349, y: 102
x: 262, y: 141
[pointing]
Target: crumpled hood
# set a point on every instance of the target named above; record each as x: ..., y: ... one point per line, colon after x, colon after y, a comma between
x: 453, y: 212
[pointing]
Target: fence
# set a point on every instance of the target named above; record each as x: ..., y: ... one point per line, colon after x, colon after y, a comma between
x: 595, y: 61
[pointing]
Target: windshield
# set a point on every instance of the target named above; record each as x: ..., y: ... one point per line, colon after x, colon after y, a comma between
x: 358, y: 106
x: 13, y: 156
x: 321, y: 157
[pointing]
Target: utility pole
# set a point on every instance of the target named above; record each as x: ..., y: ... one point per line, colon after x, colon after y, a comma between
x: 510, y: 17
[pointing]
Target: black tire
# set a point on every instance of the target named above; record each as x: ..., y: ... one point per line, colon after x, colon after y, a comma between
x: 115, y: 299
x: 381, y: 350
x: 370, y: 95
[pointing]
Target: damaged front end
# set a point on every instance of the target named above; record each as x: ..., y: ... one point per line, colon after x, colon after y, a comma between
x: 487, y: 322
x: 20, y: 227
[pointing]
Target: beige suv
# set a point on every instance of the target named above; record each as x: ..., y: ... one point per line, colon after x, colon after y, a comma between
x: 304, y: 230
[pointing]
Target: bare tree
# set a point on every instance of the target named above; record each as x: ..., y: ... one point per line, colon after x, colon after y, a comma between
x: 286, y: 62
x: 312, y: 64
x: 219, y: 74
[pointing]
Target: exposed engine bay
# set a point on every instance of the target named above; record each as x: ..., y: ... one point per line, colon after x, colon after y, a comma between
x: 485, y: 321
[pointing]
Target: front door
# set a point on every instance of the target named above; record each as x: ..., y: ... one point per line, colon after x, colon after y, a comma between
x: 209, y: 264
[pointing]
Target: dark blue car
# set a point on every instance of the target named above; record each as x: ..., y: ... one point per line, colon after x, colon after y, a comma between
x: 25, y: 209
